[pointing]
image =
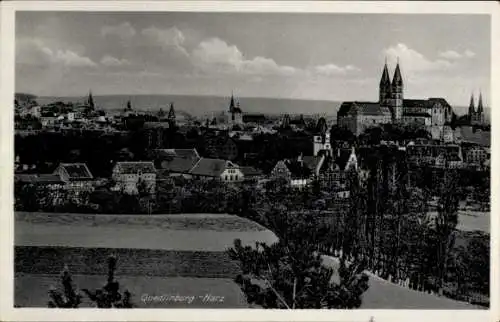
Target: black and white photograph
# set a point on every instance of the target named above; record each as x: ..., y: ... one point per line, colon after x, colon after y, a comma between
x: 251, y: 160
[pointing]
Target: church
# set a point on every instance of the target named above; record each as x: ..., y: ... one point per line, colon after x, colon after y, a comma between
x: 392, y: 107
x: 476, y: 116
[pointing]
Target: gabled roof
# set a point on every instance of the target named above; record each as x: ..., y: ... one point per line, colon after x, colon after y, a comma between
x: 76, y: 171
x: 416, y: 114
x: 177, y: 160
x: 363, y: 108
x: 211, y: 167
x: 131, y: 167
x: 416, y: 103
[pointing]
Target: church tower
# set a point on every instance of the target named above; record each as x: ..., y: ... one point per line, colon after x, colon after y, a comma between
x: 171, y: 116
x: 384, y: 87
x: 397, y: 94
x: 480, y: 109
x: 472, y: 109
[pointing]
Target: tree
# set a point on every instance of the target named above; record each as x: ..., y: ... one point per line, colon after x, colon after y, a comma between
x: 107, y: 297
x: 290, y: 274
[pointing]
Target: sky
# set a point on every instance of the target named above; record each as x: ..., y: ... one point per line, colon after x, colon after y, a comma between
x: 325, y: 56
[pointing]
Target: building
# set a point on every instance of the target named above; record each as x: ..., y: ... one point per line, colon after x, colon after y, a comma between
x: 129, y: 175
x: 76, y: 177
x: 476, y: 116
x: 294, y: 172
x: 217, y: 169
x: 251, y: 174
x: 235, y: 115
x: 171, y: 116
x: 476, y: 156
x: 434, y: 155
x: 176, y: 162
x: 431, y: 114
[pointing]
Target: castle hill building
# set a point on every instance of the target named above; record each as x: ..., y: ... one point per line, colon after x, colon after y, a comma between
x: 433, y: 114
x: 476, y: 117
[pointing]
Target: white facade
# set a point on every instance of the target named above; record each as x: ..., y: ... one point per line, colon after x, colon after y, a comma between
x: 321, y: 143
x: 233, y: 174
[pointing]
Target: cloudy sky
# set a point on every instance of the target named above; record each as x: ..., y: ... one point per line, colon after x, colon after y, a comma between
x: 313, y: 56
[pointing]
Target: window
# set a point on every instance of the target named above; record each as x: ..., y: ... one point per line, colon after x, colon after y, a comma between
x: 231, y: 177
x: 225, y: 177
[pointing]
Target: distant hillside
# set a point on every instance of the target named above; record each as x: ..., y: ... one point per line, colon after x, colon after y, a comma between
x: 23, y: 97
x: 207, y: 105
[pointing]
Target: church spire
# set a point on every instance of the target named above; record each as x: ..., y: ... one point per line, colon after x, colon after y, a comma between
x: 231, y: 104
x: 91, y: 101
x: 480, y: 104
x: 397, y: 80
x: 171, y: 113
x: 385, y: 80
x: 471, y: 105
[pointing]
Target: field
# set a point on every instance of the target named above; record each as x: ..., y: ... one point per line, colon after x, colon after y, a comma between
x: 159, y: 255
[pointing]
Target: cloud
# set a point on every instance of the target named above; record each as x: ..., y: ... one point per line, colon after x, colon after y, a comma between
x: 171, y: 38
x: 453, y: 55
x: 34, y: 52
x: 124, y: 31
x: 215, y: 55
x: 332, y: 69
x: 113, y: 62
x: 414, y: 61
x: 450, y: 54
x: 469, y: 53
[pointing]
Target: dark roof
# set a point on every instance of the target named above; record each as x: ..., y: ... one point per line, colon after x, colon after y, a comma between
x: 297, y: 169
x: 38, y: 178
x: 416, y: 103
x: 236, y: 110
x: 77, y: 171
x: 440, y: 100
x: 417, y: 114
x: 250, y: 171
x: 177, y: 160
x: 210, y: 167
x: 342, y: 158
x: 365, y: 108
x: 154, y: 125
x: 130, y: 167
x: 385, y: 80
x: 311, y: 162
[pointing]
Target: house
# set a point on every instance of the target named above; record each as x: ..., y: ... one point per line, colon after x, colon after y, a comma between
x: 475, y: 156
x: 76, y: 177
x: 217, y: 169
x: 129, y: 175
x: 294, y: 172
x: 176, y: 162
x: 51, y: 182
x: 434, y: 155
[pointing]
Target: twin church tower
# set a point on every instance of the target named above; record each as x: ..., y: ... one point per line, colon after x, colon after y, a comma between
x: 391, y: 92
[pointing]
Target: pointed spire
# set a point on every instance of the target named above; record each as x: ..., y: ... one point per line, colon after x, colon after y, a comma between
x: 471, y: 105
x: 171, y: 112
x: 480, y: 103
x: 231, y: 104
x: 385, y: 80
x: 397, y: 80
x: 91, y: 100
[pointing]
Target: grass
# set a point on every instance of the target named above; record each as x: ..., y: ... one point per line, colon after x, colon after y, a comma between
x: 216, y: 222
x: 131, y: 262
x: 31, y: 290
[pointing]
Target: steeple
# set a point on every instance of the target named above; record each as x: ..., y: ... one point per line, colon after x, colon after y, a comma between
x: 91, y: 101
x: 385, y: 80
x: 397, y: 80
x: 471, y: 105
x: 231, y: 104
x: 480, y: 104
x: 171, y: 112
